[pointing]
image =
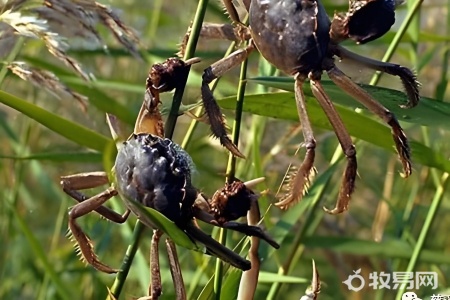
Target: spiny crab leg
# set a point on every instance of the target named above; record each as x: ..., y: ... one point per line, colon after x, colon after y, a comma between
x: 348, y: 180
x: 298, y: 183
x: 70, y: 185
x: 212, y: 109
x: 231, y: 10
x: 400, y: 140
x: 407, y: 77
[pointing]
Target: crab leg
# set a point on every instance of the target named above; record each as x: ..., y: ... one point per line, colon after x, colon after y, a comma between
x: 298, y: 184
x: 155, y: 272
x: 351, y: 88
x: 231, y: 10
x: 247, y: 229
x: 348, y: 180
x: 84, y: 243
x: 407, y: 77
x: 212, y: 109
x: 175, y: 270
x: 224, y: 32
x: 72, y: 183
x: 215, y: 248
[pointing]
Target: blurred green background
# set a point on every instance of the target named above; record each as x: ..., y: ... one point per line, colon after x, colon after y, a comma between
x: 393, y: 224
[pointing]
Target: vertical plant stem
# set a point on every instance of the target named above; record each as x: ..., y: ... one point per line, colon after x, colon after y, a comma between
x: 190, y: 52
x: 442, y: 85
x: 219, y: 267
x: 199, y: 110
x: 169, y: 129
x: 437, y: 199
x: 231, y: 167
x: 154, y: 19
x: 121, y: 276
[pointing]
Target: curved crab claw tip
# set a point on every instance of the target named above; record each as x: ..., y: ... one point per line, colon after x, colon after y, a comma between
x: 254, y: 182
x: 335, y: 211
x: 192, y: 61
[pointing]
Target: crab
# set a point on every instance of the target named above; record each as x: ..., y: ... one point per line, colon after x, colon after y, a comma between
x: 298, y: 38
x: 156, y: 172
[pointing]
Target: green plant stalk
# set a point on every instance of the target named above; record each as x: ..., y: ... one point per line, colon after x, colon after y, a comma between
x: 169, y: 129
x: 218, y: 273
x: 442, y: 85
x: 415, y: 8
x: 192, y: 127
x: 154, y: 19
x: 53, y: 245
x: 258, y: 126
x: 437, y: 199
x: 195, y: 280
x: 404, y: 233
x: 190, y: 52
x: 121, y: 276
x: 199, y: 110
x: 212, y: 86
x: 231, y: 167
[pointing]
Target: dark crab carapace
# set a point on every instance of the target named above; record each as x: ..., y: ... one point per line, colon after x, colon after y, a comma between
x: 297, y: 37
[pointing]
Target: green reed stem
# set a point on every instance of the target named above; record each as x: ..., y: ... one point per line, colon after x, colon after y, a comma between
x: 199, y: 110
x: 121, y: 276
x: 190, y: 52
x: 169, y: 129
x: 231, y: 167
